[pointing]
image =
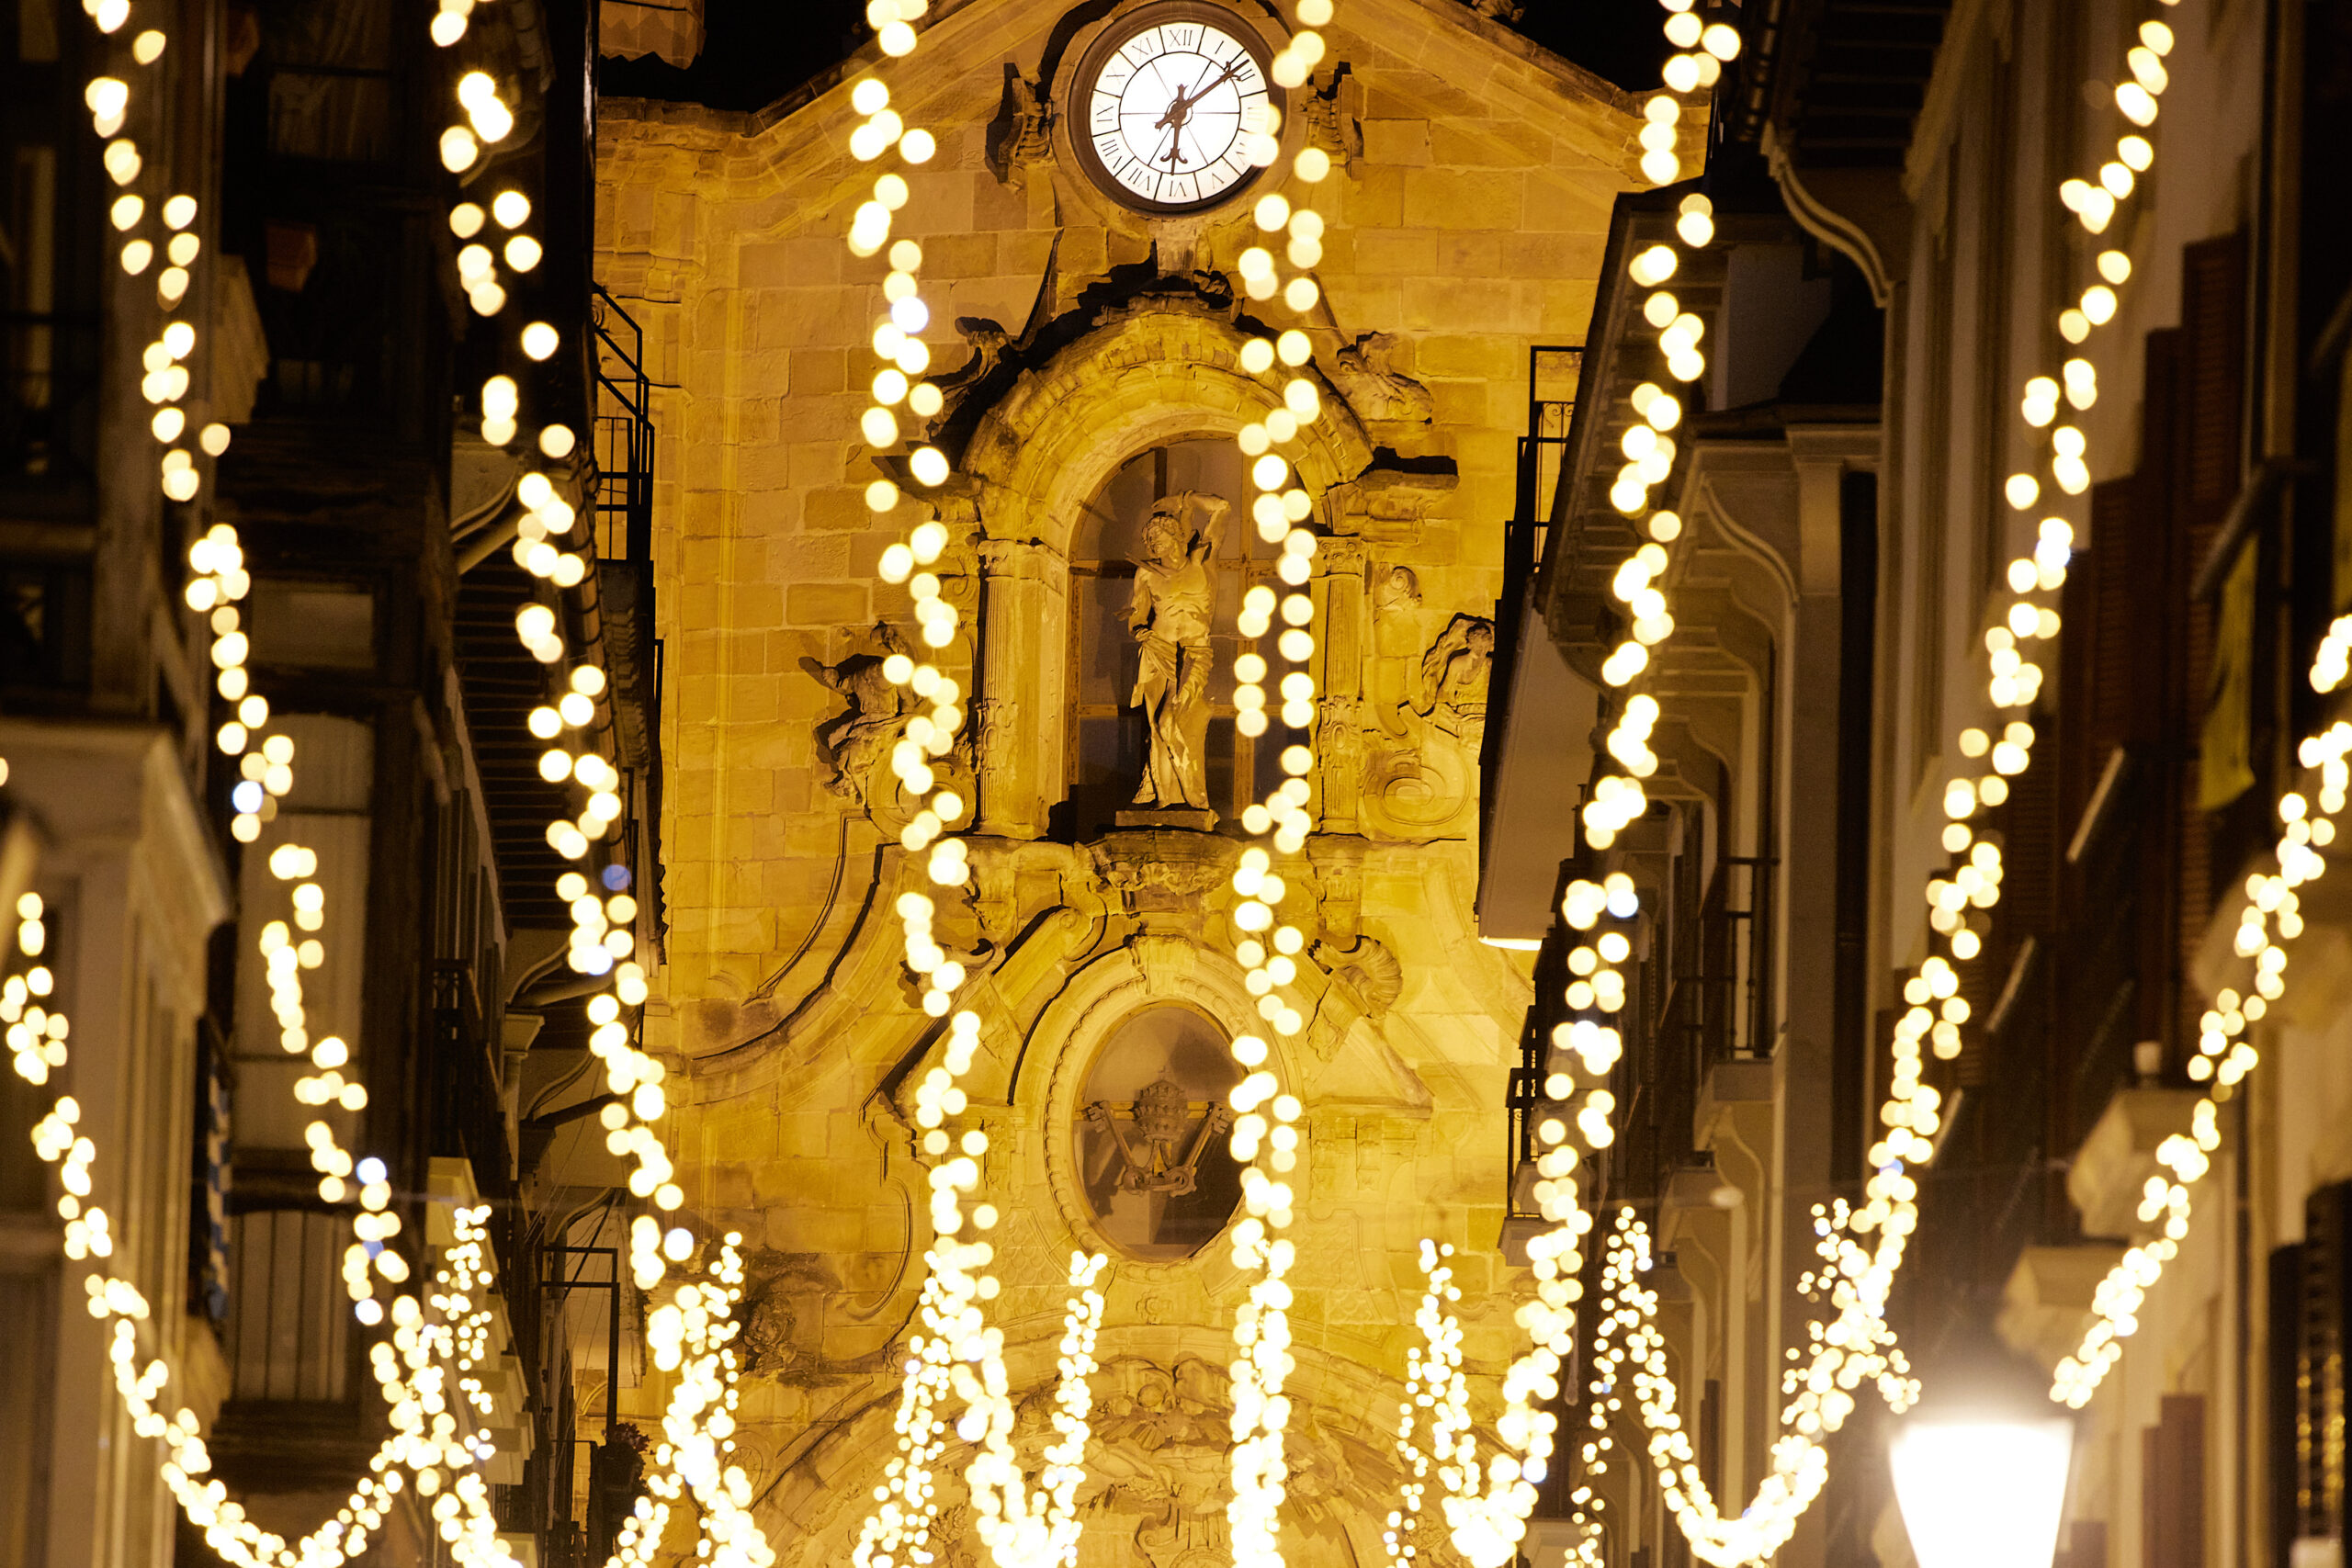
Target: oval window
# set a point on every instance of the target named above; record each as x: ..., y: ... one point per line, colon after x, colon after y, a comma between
x: 1151, y: 1133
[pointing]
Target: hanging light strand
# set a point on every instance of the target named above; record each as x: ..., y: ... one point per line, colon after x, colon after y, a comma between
x: 1266, y: 1132
x: 1854, y: 1344
x: 440, y: 1412
x: 958, y: 1353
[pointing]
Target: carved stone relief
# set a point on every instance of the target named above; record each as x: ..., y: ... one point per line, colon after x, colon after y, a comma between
x: 1375, y: 389
x: 1367, y: 968
x: 989, y: 341
x: 1423, y: 778
x: 1454, y: 676
x: 853, y: 743
x: 1399, y: 592
x: 1338, y: 752
x: 1022, y: 136
x: 1163, y: 871
x: 1160, y: 1441
x: 1329, y: 124
x: 1157, y: 1175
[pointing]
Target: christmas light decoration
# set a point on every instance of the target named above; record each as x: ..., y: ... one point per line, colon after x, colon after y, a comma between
x: 439, y: 1333
x: 1854, y: 1343
x: 439, y: 1412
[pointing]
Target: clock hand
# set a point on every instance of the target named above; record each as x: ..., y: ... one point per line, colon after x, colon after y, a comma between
x: 1173, y: 123
x: 1202, y: 91
x: 1219, y: 80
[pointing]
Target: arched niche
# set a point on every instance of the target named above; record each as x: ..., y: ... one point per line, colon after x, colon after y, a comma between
x: 1154, y: 377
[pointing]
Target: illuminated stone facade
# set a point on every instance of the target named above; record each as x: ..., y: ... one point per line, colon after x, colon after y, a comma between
x: 1088, y: 357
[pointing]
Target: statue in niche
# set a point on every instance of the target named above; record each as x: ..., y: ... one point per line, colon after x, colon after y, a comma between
x: 1454, y: 674
x: 1175, y: 592
x: 856, y: 739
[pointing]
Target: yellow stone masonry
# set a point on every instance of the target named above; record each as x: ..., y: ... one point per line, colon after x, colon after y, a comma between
x: 1468, y: 212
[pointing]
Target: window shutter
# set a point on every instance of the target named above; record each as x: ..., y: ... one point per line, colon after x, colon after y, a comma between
x: 2319, y: 1361
x: 2212, y: 329
x: 2218, y: 673
x: 2172, y: 1485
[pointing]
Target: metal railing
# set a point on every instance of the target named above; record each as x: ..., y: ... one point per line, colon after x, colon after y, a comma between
x: 625, y: 435
x: 1543, y: 458
x: 470, y: 1114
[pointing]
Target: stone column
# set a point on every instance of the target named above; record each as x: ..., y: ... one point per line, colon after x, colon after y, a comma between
x: 1017, y: 713
x: 1339, y: 592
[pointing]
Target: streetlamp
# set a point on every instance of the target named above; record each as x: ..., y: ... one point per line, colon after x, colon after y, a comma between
x: 1980, y: 1492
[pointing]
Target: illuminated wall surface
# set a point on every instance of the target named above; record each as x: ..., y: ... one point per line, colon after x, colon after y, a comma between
x: 1089, y: 354
x: 1174, y: 784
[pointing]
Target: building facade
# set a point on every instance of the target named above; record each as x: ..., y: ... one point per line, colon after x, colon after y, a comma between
x: 1820, y: 725
x: 310, y: 650
x: 1086, y: 344
x: 1974, y: 184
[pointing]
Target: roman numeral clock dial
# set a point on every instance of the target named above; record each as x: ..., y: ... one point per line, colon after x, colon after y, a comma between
x: 1164, y: 99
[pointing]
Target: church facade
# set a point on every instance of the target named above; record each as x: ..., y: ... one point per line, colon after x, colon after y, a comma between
x: 1085, y: 334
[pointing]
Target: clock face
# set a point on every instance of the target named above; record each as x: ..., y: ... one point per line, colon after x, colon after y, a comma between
x: 1167, y: 98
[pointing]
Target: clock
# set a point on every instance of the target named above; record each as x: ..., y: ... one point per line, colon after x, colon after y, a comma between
x: 1163, y: 105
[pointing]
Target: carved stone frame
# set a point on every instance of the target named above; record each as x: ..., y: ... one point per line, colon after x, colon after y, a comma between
x: 1041, y: 453
x: 1152, y: 970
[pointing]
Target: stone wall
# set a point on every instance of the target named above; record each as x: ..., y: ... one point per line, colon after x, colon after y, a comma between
x: 1468, y: 216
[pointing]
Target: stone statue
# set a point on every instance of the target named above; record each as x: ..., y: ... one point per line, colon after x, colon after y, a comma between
x: 1454, y: 674
x: 1021, y: 134
x: 1374, y: 387
x: 1175, y: 593
x: 877, y: 713
x: 1368, y: 968
x: 989, y: 343
x: 1163, y: 1118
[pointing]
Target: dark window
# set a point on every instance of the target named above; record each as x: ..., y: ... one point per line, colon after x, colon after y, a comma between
x: 44, y: 627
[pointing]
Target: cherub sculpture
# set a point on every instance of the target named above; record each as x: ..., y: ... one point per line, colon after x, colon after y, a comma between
x: 875, y: 715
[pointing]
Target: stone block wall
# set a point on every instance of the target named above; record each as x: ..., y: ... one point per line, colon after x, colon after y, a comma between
x: 1467, y: 218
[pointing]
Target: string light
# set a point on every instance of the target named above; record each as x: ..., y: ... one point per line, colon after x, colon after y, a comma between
x: 1266, y: 1136
x: 959, y: 1355
x: 1021, y: 1524
x: 1855, y: 1344
x: 438, y: 1334
x: 1431, y: 1377
x: 956, y: 1355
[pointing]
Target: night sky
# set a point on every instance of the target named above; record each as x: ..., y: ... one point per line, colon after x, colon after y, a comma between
x: 757, y: 50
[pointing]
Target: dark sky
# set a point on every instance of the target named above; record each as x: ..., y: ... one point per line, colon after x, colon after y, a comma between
x: 757, y: 50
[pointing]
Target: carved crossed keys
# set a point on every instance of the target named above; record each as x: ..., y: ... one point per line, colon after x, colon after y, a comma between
x: 1162, y: 1119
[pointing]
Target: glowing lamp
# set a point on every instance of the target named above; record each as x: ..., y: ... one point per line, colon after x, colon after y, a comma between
x: 1982, y: 1492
